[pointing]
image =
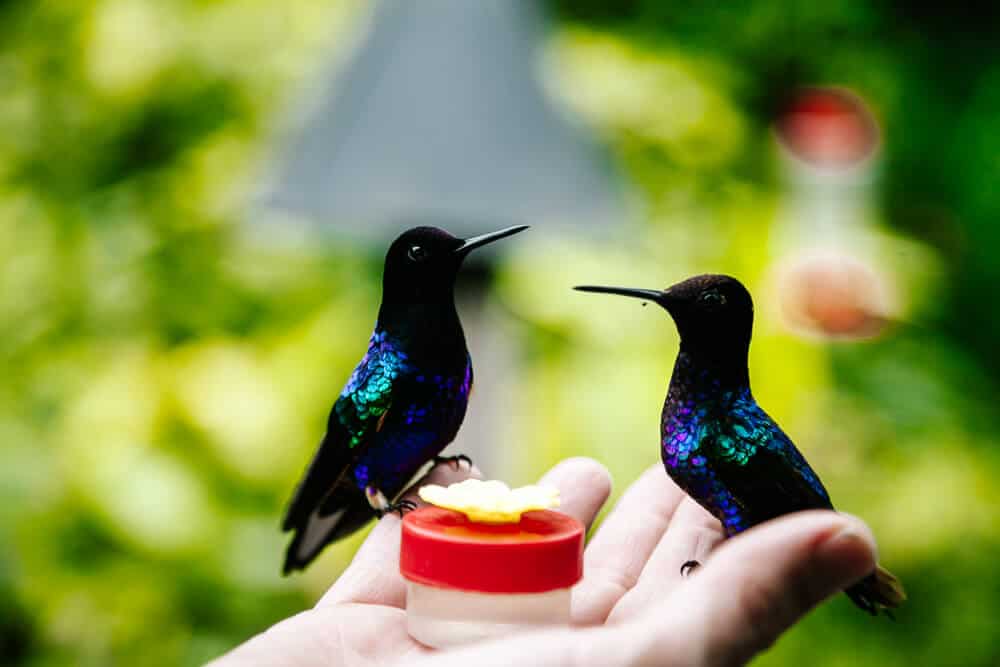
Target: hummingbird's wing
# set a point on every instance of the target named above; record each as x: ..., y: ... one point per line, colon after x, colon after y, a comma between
x: 761, y: 466
x: 769, y: 477
x: 326, y: 503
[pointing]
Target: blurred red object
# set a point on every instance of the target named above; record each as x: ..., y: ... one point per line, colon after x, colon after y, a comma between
x: 828, y: 127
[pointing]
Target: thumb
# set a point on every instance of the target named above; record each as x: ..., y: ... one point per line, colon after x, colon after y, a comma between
x: 759, y: 584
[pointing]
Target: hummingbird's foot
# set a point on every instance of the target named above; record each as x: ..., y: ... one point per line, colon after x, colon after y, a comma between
x: 454, y: 461
x: 688, y: 567
x: 401, y: 507
x: 382, y: 506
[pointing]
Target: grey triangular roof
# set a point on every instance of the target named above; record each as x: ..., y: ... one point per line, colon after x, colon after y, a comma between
x: 441, y: 114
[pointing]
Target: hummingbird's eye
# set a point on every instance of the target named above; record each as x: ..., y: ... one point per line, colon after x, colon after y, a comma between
x: 713, y: 298
x: 417, y: 253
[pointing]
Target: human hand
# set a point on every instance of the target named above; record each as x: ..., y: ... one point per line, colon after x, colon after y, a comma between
x: 632, y: 607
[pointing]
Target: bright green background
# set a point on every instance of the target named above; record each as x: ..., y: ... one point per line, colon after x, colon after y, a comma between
x: 166, y: 375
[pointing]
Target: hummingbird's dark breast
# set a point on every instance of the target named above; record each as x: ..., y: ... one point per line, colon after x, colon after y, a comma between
x: 729, y: 455
x: 685, y: 455
x: 428, y: 404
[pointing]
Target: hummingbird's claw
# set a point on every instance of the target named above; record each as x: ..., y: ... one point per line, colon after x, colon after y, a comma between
x: 401, y: 507
x: 688, y: 567
x: 454, y: 461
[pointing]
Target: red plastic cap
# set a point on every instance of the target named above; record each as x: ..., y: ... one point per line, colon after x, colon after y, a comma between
x: 442, y: 548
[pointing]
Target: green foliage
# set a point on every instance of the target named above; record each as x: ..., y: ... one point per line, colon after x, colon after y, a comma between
x: 167, y: 374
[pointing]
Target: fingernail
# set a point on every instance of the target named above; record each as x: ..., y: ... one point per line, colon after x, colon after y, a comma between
x: 849, y: 553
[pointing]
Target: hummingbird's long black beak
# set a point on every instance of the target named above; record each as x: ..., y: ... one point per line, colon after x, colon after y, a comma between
x: 479, y: 241
x: 656, y: 296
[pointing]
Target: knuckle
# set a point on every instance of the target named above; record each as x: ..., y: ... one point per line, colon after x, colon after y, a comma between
x: 617, y: 581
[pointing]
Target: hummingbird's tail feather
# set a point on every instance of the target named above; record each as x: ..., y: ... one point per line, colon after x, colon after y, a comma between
x: 342, y: 513
x: 880, y: 591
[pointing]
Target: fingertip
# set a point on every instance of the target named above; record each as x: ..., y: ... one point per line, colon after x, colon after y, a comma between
x: 580, y: 473
x: 848, y: 552
x: 589, y: 472
x: 864, y: 533
x: 584, y: 486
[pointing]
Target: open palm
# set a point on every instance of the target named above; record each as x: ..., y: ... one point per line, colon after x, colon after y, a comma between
x: 632, y: 607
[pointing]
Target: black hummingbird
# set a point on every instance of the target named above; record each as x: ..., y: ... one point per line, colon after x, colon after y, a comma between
x: 716, y: 442
x: 402, y: 405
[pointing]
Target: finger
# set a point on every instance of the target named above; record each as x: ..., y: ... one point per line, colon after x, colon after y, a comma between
x: 758, y: 584
x: 373, y: 575
x: 584, y: 486
x: 615, y: 557
x: 692, y: 535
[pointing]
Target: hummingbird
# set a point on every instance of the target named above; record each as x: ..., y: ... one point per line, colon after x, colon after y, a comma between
x: 717, y: 443
x: 404, y: 402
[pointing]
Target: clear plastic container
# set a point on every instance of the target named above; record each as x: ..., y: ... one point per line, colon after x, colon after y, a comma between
x: 468, y: 581
x: 440, y: 617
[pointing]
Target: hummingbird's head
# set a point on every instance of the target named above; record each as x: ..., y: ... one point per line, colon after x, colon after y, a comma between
x: 713, y: 313
x: 422, y: 262
x: 710, y: 309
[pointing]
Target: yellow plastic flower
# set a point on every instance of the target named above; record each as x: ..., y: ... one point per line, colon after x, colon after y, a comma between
x: 490, y: 501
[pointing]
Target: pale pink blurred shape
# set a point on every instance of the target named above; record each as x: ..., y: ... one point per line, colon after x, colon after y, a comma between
x: 832, y: 293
